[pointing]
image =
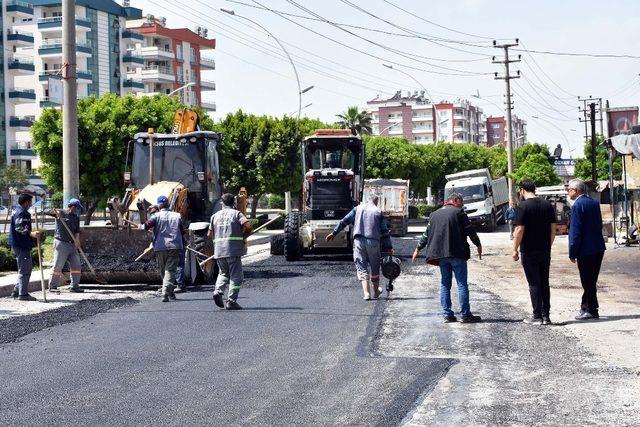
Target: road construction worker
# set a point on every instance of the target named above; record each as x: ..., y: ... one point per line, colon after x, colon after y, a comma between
x: 229, y: 228
x: 20, y: 240
x: 168, y: 242
x: 370, y: 233
x: 65, y: 245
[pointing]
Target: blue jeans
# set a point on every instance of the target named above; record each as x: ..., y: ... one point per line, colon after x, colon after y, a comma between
x: 449, y: 267
x: 180, y: 270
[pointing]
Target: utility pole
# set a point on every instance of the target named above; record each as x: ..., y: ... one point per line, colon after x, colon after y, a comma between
x: 509, y: 106
x: 592, y: 111
x: 70, y: 168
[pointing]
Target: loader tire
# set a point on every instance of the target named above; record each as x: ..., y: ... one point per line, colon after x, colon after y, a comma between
x: 292, y: 247
x: 277, y: 244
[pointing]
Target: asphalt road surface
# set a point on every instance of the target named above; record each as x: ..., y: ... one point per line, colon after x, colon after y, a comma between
x: 300, y: 353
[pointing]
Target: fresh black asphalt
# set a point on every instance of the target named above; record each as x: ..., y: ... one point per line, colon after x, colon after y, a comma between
x: 300, y: 353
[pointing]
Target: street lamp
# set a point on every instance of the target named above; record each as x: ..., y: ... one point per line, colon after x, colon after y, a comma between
x: 293, y: 65
x: 182, y: 88
x: 304, y: 108
x: 389, y: 66
x: 389, y: 127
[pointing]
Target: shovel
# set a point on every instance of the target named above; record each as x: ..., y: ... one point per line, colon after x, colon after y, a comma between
x: 44, y: 289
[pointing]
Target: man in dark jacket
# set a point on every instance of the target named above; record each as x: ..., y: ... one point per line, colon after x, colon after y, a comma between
x: 20, y: 235
x: 446, y: 242
x: 586, y: 246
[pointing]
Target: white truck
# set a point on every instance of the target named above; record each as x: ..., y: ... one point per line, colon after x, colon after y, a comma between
x: 485, y: 199
x: 393, y: 202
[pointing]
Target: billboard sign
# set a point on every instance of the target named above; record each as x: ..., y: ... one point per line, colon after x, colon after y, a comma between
x: 620, y: 120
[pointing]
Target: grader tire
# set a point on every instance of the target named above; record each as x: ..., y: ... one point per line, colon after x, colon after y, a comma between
x: 292, y: 249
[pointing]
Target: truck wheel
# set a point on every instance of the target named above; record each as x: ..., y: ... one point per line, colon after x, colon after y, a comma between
x: 491, y: 224
x: 277, y: 244
x: 292, y: 249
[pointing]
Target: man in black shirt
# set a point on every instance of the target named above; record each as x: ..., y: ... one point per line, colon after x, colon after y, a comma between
x: 535, y: 232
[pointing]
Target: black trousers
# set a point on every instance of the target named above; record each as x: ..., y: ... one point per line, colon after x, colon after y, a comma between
x: 589, y: 268
x: 536, y: 268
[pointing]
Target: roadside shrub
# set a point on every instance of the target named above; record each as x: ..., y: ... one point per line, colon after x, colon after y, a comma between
x: 276, y: 201
x: 413, y: 212
x: 425, y: 210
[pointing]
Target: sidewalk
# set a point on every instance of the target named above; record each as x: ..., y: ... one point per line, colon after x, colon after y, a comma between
x: 7, y: 282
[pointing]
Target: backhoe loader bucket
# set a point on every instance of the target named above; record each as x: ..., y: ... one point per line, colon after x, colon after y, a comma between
x: 113, y: 252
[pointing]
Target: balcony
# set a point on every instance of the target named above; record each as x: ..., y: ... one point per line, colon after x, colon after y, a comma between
x: 133, y: 85
x: 207, y: 85
x: 46, y: 103
x: 156, y: 53
x: 157, y: 73
x: 44, y: 76
x: 53, y: 48
x: 207, y: 64
x: 132, y: 58
x: 22, y: 95
x: 54, y: 24
x: 131, y: 36
x: 208, y: 106
x: 21, y: 123
x: 20, y: 65
x: 19, y: 9
x: 20, y: 38
x: 21, y: 148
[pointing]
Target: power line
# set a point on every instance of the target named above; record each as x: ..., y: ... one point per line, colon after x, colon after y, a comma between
x: 408, y: 55
x: 588, y: 55
x: 379, y: 58
x: 435, y: 23
x: 546, y: 75
x: 544, y: 101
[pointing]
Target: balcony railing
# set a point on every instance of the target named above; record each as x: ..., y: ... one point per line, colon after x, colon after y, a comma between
x: 56, y: 22
x: 54, y: 47
x: 133, y: 84
x: 209, y: 63
x: 22, y: 93
x: 207, y: 84
x: 20, y: 63
x: 127, y: 34
x: 132, y: 58
x: 26, y: 121
x: 19, y: 7
x: 45, y: 102
x: 20, y: 145
x: 161, y: 69
x: 15, y: 36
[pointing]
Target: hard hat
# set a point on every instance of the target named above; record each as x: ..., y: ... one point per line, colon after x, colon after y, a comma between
x: 162, y: 200
x: 75, y: 202
x: 391, y: 267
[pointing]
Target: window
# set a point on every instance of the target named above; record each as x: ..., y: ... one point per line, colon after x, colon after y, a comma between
x: 179, y: 75
x: 193, y: 76
x: 179, y: 51
x: 194, y: 58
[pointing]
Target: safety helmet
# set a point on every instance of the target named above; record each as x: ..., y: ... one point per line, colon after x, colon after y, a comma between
x: 391, y: 267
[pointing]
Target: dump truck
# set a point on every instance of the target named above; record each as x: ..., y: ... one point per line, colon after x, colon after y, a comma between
x: 183, y: 166
x: 393, y: 197
x: 485, y: 199
x: 332, y: 176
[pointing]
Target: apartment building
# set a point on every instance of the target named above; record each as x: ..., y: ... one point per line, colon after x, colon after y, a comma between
x: 415, y: 118
x: 497, y: 131
x: 32, y: 53
x: 169, y: 58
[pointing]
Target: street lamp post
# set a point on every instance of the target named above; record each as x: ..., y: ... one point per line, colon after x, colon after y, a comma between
x: 181, y: 88
x: 389, y: 127
x: 389, y: 66
x: 293, y: 65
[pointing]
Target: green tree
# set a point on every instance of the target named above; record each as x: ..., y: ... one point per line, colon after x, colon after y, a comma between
x: 396, y: 158
x: 105, y: 125
x: 520, y: 154
x: 12, y: 177
x: 583, y: 165
x: 262, y: 154
x: 358, y: 121
x: 537, y: 168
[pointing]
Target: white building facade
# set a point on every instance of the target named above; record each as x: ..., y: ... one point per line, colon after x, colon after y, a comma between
x: 32, y: 54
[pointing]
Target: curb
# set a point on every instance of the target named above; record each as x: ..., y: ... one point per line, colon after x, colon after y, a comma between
x: 34, y: 284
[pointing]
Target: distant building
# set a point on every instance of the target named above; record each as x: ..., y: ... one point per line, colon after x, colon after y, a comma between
x: 164, y: 59
x: 497, y: 131
x: 416, y: 119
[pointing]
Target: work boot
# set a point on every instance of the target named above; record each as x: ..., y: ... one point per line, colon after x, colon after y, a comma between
x: 54, y: 290
x: 532, y: 320
x: 76, y: 290
x: 165, y: 298
x: 172, y: 295
x: 14, y: 293
x: 585, y: 315
x: 217, y: 298
x: 471, y: 319
x: 27, y: 297
x: 546, y: 320
x: 232, y: 305
x: 450, y: 319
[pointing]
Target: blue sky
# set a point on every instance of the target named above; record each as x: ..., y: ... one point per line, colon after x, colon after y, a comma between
x: 261, y: 80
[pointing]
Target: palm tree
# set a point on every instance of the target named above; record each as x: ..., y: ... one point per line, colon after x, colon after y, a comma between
x: 358, y: 121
